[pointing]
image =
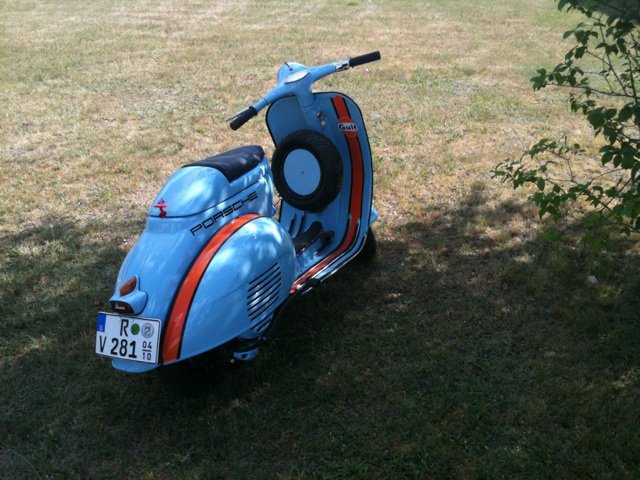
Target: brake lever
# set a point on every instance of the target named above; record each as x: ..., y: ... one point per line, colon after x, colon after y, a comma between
x: 234, y: 116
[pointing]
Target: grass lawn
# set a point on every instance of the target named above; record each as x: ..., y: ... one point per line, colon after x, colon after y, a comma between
x: 469, y: 349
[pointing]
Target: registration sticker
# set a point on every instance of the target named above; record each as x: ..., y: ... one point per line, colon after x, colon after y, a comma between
x: 129, y: 338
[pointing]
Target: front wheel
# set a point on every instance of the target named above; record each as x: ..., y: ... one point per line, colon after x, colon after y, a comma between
x: 369, y: 248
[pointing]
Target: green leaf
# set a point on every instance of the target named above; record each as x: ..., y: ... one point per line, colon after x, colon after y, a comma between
x: 609, y: 113
x: 553, y: 211
x: 628, y: 156
x: 596, y: 118
x: 540, y: 183
x: 552, y: 235
x: 608, y: 148
x: 540, y: 80
x: 625, y: 113
x: 617, y: 160
x: 606, y: 158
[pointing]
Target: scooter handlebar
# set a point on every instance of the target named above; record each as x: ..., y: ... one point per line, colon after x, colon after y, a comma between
x: 285, y: 86
x: 243, y: 117
x: 366, y: 58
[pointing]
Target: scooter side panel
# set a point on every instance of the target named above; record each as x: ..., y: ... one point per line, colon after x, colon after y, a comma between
x: 193, y: 189
x: 168, y: 246
x: 247, y: 279
x: 339, y: 118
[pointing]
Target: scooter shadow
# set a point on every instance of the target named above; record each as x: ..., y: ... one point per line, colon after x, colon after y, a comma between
x: 446, y: 309
x: 314, y: 318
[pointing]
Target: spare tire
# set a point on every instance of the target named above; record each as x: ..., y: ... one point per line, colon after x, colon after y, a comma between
x: 307, y: 170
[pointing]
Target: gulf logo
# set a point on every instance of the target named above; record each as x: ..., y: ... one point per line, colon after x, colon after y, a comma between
x: 348, y: 127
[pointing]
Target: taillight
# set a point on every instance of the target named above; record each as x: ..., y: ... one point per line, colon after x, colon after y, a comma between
x: 128, y: 286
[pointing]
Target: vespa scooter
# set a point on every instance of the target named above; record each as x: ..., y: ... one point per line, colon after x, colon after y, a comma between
x: 217, y: 263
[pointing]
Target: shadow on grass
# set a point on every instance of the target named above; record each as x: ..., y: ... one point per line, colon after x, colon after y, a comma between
x: 463, y: 350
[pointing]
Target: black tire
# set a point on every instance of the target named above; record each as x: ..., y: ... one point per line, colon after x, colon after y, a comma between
x: 329, y: 162
x: 369, y: 248
x: 191, y: 377
x: 183, y: 379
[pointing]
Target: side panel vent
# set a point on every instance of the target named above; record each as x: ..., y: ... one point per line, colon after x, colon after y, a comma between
x: 263, y: 296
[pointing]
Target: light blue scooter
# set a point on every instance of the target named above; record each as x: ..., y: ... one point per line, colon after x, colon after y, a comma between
x: 217, y: 263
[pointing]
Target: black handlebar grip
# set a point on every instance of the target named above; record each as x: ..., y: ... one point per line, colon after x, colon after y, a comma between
x: 246, y: 115
x: 366, y: 58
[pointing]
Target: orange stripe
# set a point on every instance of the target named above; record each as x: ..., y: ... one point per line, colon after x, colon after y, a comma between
x: 355, y: 207
x: 172, y: 340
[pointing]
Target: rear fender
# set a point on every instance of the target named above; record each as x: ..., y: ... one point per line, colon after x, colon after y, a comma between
x: 232, y: 288
x: 168, y: 246
x: 204, y: 308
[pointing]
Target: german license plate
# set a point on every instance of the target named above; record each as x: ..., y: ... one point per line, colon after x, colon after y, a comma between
x: 129, y: 338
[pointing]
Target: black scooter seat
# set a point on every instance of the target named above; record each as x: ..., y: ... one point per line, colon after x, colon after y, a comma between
x: 233, y: 163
